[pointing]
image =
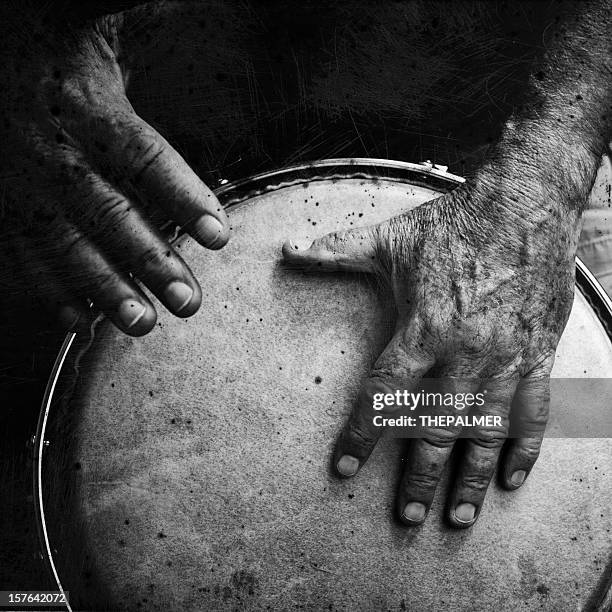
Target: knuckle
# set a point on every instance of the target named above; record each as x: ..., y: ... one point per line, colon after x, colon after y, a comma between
x: 358, y: 437
x: 477, y: 340
x: 424, y: 481
x: 544, y: 360
x: 490, y: 438
x: 75, y: 100
x: 112, y: 211
x: 437, y: 322
x: 350, y: 242
x: 537, y: 377
x: 529, y: 450
x: 439, y: 437
x: 386, y: 374
x: 536, y: 395
x: 403, y: 363
x: 533, y: 422
x: 144, y: 152
x: 151, y: 258
x: 334, y: 242
x: 475, y: 481
x: 106, y: 282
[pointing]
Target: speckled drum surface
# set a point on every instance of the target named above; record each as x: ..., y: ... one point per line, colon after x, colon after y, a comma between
x: 190, y: 469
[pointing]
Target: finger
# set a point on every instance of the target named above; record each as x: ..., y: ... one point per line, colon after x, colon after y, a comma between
x: 88, y: 274
x: 399, y: 367
x: 139, y: 154
x: 129, y: 240
x: 529, y: 416
x: 428, y: 456
x: 481, y: 453
x: 351, y: 251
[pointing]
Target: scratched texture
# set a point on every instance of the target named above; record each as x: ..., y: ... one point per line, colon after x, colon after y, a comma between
x: 201, y: 454
x: 238, y: 87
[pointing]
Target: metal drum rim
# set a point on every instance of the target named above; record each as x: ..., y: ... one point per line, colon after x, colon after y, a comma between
x: 235, y: 192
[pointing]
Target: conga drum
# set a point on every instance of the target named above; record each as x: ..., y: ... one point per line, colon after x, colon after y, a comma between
x: 190, y: 469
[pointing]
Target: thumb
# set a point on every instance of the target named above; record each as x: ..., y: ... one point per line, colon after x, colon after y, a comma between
x: 355, y: 250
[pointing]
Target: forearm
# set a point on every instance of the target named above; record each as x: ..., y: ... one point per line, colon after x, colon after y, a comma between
x: 550, y: 148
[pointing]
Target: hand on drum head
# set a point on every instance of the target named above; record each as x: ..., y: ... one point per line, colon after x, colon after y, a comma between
x: 83, y: 177
x: 481, y: 303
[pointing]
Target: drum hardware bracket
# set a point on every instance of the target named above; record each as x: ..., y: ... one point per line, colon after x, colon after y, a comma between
x: 31, y: 442
x: 429, y: 164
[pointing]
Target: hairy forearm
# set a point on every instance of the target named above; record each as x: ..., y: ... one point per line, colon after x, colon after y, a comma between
x: 550, y: 148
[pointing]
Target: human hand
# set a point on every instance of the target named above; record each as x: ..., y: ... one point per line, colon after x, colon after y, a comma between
x: 483, y: 276
x: 82, y: 174
x: 483, y: 283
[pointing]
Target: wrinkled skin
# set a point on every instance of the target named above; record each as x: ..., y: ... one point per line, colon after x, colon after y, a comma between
x: 482, y: 277
x: 84, y: 172
x: 473, y: 310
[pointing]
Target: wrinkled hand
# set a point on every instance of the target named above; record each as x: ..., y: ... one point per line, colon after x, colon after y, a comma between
x: 483, y: 285
x: 81, y: 173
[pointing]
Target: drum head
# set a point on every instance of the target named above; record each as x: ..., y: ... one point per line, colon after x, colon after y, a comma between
x: 190, y: 469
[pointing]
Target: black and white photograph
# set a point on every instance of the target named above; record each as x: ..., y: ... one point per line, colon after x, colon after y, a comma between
x: 305, y: 305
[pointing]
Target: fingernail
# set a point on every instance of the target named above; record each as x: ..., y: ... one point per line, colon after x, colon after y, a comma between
x: 299, y: 245
x: 210, y: 231
x: 178, y: 295
x: 465, y: 513
x: 348, y: 465
x: 518, y: 478
x: 130, y: 312
x: 414, y: 511
x: 68, y: 317
x: 290, y: 249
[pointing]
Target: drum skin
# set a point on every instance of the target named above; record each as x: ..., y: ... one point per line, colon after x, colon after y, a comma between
x: 198, y: 473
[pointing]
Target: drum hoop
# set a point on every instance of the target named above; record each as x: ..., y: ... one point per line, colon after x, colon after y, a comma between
x: 423, y: 174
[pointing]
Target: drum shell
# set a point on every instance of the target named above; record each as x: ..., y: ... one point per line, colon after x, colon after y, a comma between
x: 198, y: 471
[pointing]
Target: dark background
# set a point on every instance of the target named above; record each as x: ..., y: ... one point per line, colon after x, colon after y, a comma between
x: 241, y: 87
